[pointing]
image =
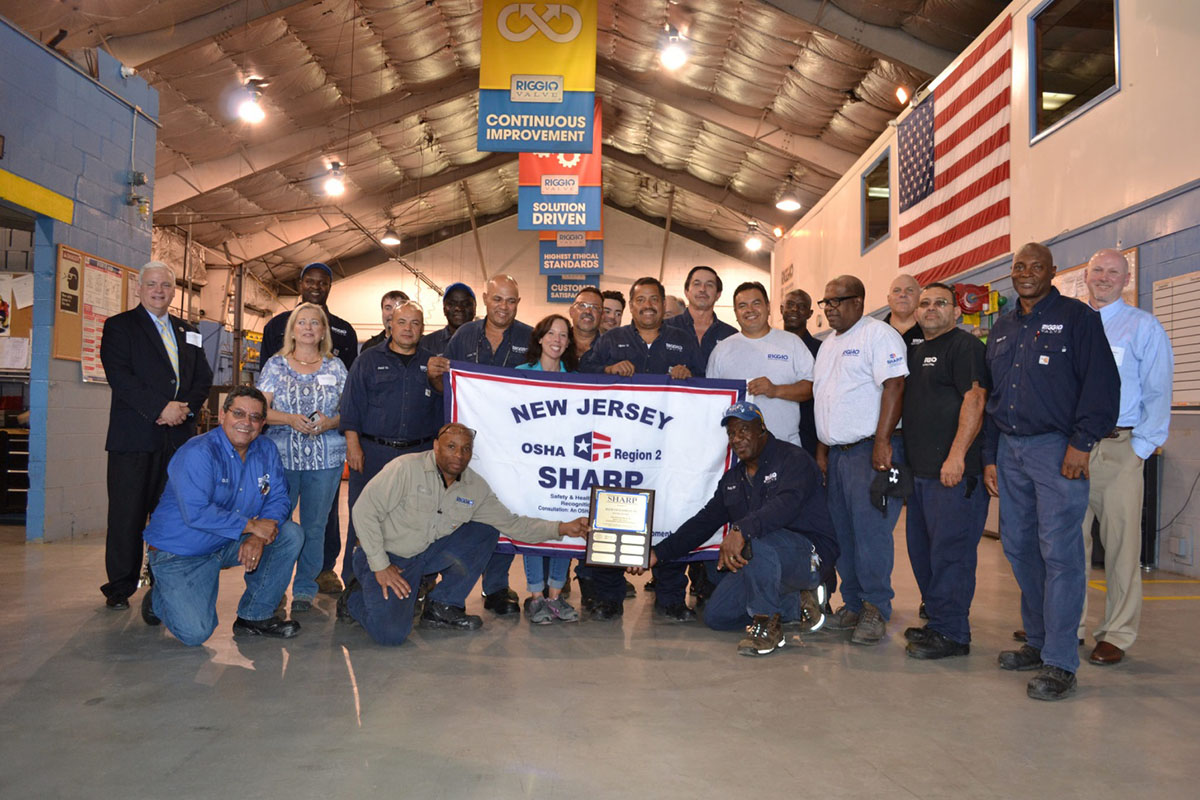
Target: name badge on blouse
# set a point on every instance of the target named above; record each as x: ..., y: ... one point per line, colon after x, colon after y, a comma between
x: 326, y: 380
x: 1118, y: 355
x: 194, y: 339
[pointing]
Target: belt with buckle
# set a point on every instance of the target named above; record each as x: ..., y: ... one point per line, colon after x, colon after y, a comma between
x: 1116, y: 432
x: 399, y: 444
x: 844, y: 447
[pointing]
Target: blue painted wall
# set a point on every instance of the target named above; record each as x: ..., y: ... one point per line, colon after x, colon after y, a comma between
x: 65, y: 132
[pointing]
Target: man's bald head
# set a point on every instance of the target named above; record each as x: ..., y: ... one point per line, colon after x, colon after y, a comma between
x: 903, y: 295
x: 501, y: 297
x: 1107, y: 276
x: 1032, y: 273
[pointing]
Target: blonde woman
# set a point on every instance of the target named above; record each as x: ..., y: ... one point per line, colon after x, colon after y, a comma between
x: 303, y: 384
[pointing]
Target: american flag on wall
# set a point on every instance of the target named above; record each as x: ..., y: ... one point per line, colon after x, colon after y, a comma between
x: 954, y: 166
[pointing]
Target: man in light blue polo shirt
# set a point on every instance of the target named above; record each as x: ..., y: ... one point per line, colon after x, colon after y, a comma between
x: 1144, y: 360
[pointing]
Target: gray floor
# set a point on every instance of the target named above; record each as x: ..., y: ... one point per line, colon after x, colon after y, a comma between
x: 95, y: 704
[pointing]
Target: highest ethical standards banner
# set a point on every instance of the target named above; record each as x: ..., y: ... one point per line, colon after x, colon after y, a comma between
x: 544, y: 440
x: 537, y: 77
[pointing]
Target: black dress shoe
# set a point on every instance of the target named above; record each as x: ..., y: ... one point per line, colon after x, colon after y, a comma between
x: 603, y: 610
x: 502, y: 603
x: 676, y: 612
x: 916, y: 634
x: 441, y: 615
x: 148, y: 615
x: 274, y: 627
x: 343, y: 603
x: 934, y: 645
x: 1052, y: 683
x: 630, y: 590
x: 922, y: 613
x: 1022, y: 660
x: 117, y: 603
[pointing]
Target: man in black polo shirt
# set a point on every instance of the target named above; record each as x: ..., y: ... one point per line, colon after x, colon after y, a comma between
x: 944, y: 396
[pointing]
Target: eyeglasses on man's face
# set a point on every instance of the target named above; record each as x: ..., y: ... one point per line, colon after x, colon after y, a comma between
x: 239, y: 414
x: 834, y: 302
x: 939, y: 302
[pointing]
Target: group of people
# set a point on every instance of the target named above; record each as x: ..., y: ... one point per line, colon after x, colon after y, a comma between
x: 834, y: 436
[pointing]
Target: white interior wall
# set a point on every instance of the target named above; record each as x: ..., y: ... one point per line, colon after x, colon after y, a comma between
x: 632, y: 249
x: 1133, y: 146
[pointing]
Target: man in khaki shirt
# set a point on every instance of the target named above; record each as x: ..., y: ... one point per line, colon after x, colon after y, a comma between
x: 426, y: 513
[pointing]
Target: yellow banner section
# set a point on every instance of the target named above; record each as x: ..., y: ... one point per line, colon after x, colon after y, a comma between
x: 539, y: 39
x: 36, y: 198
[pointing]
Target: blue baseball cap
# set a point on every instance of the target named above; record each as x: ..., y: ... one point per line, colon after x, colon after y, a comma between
x: 462, y: 286
x: 317, y: 265
x: 747, y: 412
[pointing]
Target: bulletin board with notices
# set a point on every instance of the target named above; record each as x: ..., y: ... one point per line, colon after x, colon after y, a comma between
x: 89, y: 290
x: 16, y: 320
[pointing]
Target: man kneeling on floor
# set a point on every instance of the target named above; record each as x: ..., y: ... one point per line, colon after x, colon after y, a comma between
x: 780, y: 541
x: 423, y: 514
x: 225, y: 503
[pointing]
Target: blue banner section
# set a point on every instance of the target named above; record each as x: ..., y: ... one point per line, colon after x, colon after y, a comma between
x: 561, y: 289
x: 505, y: 126
x: 537, y: 211
x: 557, y: 260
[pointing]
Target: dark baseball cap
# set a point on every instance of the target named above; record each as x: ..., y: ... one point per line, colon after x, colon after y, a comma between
x: 747, y: 412
x: 462, y: 286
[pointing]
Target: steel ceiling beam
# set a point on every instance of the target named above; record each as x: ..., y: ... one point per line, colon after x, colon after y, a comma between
x: 892, y: 43
x: 308, y: 142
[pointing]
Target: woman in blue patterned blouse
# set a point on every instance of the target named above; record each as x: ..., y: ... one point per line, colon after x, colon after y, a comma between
x: 303, y: 384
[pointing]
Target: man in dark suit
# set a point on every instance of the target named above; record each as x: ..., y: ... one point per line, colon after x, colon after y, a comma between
x: 159, y: 379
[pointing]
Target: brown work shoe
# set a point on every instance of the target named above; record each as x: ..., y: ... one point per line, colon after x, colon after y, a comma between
x: 763, y: 636
x: 871, y: 626
x: 842, y: 620
x: 329, y: 583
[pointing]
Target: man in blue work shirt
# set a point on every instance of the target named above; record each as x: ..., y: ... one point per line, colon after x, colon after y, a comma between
x: 226, y: 503
x: 316, y: 279
x: 780, y: 539
x: 1144, y: 360
x: 392, y: 404
x: 702, y: 289
x: 387, y: 304
x: 497, y: 340
x: 458, y: 306
x: 1055, y: 394
x: 645, y: 347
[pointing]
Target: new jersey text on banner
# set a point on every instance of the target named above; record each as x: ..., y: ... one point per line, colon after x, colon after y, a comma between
x: 544, y: 442
x: 537, y: 76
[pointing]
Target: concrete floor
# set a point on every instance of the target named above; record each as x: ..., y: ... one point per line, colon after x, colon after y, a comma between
x: 95, y: 704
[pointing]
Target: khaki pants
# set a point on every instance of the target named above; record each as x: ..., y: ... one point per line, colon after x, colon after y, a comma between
x: 1116, y: 499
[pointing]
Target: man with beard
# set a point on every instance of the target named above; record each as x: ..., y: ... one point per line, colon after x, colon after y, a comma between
x: 614, y: 310
x: 586, y: 313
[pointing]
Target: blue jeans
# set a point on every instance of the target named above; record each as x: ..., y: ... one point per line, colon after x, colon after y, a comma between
x: 943, y: 530
x: 543, y: 571
x: 864, y: 533
x: 185, y: 587
x: 315, y: 489
x: 1041, y: 514
x: 782, y: 565
x: 459, y: 558
x: 495, y: 573
x: 375, y: 457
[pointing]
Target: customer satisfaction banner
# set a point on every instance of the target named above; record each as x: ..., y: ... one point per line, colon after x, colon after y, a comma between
x: 544, y: 440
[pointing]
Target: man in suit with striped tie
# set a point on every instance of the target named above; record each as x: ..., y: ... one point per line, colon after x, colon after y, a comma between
x: 159, y: 378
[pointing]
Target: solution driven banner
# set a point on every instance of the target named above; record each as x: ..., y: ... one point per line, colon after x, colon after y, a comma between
x: 537, y: 77
x: 561, y: 191
x: 545, y: 440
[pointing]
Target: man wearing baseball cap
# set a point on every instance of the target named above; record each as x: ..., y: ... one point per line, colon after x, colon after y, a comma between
x: 316, y: 279
x: 780, y: 540
x: 458, y: 305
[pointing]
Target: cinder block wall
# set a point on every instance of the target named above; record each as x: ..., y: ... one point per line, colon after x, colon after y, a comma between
x: 67, y: 133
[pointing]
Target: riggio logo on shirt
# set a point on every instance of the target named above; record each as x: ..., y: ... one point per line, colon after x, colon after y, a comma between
x: 777, y: 357
x: 929, y: 361
x: 1048, y: 328
x: 851, y: 351
x: 675, y: 347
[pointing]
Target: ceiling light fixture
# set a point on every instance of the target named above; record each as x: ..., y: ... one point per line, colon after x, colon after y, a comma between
x: 335, y: 184
x: 754, y: 241
x: 390, y: 237
x: 778, y: 231
x: 674, y: 53
x: 250, y: 109
x: 902, y: 94
x: 788, y: 199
